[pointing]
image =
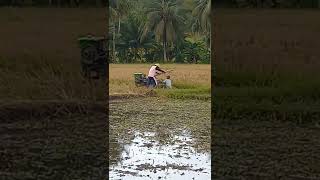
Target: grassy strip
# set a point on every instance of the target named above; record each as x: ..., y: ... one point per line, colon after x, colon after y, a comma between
x: 200, y: 93
x: 287, y: 104
x: 274, y: 95
x: 301, y: 114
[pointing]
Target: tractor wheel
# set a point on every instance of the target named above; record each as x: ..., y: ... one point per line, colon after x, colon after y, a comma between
x: 89, y: 54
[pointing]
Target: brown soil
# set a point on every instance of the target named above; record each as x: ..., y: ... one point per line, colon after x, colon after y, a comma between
x: 265, y: 149
x: 69, y: 145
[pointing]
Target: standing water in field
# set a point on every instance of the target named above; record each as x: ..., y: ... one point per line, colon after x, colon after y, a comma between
x: 152, y: 138
x: 146, y: 157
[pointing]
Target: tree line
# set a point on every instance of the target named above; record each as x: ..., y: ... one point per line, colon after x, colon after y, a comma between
x: 54, y: 3
x: 267, y: 3
x: 169, y: 31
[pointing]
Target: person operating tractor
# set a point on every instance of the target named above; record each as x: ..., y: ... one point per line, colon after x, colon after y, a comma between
x: 153, y: 72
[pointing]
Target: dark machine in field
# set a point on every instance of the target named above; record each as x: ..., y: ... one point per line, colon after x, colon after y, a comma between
x: 141, y: 79
x: 93, y: 56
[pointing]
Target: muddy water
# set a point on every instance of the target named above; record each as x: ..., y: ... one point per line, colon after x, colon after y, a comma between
x: 162, y: 140
x: 146, y: 158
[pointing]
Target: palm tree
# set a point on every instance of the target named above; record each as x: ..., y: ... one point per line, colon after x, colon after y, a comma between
x: 203, y: 12
x: 163, y: 20
x: 117, y: 10
x: 131, y: 38
x: 120, y: 8
x: 112, y: 19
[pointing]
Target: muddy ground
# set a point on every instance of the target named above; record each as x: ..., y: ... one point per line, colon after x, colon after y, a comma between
x: 73, y: 145
x: 152, y: 138
x: 265, y: 148
x: 68, y: 146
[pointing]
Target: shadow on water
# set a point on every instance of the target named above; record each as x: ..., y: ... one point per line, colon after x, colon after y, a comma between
x: 153, y: 155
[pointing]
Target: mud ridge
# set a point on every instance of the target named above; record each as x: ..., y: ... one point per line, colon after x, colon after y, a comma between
x: 21, y: 110
x: 127, y: 96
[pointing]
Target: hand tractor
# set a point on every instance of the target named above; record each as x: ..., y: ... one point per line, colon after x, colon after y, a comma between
x: 140, y: 79
x: 93, y: 56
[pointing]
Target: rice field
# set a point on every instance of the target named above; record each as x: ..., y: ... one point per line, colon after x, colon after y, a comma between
x: 183, y: 76
x: 266, y: 94
x: 45, y: 127
x: 266, y: 48
x: 40, y: 55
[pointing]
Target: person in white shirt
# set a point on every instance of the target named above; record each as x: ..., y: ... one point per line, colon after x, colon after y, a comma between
x: 153, y: 72
x: 167, y: 82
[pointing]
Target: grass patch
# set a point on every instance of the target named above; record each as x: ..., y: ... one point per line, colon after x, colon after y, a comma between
x: 202, y: 93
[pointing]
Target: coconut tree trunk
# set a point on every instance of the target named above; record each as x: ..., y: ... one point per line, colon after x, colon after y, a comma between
x: 164, y: 52
x: 210, y: 50
x: 164, y: 43
x: 114, y: 44
x: 119, y: 24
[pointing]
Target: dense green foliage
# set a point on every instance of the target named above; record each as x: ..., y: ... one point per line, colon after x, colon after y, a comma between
x: 170, y: 31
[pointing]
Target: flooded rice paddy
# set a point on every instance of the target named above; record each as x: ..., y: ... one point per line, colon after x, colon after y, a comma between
x: 147, y: 158
x: 159, y: 139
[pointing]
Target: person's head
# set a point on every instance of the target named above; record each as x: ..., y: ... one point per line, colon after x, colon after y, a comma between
x: 158, y: 65
x: 168, y: 77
